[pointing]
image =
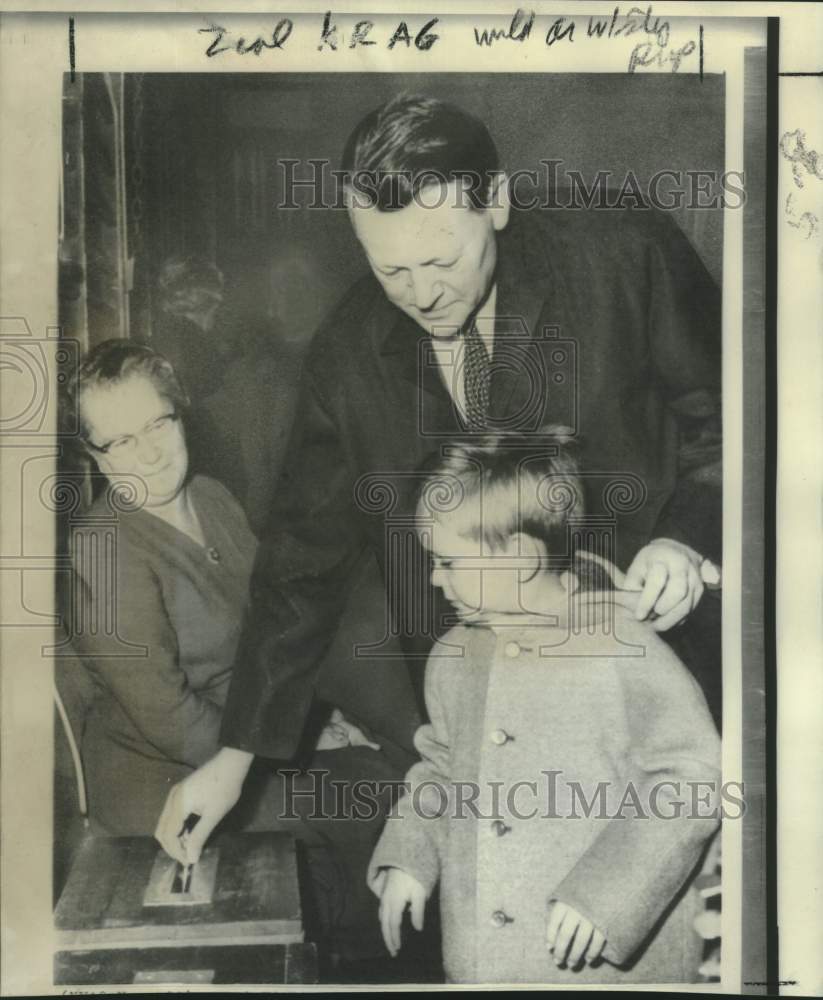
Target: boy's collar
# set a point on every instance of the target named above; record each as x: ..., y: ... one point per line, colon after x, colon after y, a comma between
x: 584, y: 608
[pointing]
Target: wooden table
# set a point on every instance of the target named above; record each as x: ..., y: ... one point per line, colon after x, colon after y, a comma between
x: 129, y: 914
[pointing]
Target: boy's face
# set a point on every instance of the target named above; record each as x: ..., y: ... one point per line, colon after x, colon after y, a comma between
x: 473, y: 578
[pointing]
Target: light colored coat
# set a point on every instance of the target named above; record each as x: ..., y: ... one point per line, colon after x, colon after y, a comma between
x: 608, y: 704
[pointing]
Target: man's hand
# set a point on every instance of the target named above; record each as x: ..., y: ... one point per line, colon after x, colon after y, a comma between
x: 209, y: 792
x: 668, y: 574
x: 571, y: 938
x: 397, y: 890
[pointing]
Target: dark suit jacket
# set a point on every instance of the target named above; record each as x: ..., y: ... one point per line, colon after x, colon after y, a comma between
x: 606, y: 320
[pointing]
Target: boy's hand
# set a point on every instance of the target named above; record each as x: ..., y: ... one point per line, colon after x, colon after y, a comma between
x: 397, y: 890
x: 571, y: 938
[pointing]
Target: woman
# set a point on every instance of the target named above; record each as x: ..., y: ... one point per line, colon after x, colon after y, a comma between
x: 180, y: 568
x: 157, y: 617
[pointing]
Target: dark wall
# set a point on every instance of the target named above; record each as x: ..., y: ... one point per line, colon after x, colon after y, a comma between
x: 214, y: 142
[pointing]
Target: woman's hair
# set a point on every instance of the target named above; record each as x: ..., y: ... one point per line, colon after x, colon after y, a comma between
x: 186, y: 284
x: 412, y: 141
x: 501, y: 484
x: 115, y: 361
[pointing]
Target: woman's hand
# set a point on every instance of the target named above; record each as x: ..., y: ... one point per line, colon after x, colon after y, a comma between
x: 209, y: 793
x: 339, y: 732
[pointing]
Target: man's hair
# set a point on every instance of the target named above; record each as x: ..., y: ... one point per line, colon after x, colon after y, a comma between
x: 113, y: 362
x: 414, y: 141
x: 502, y: 484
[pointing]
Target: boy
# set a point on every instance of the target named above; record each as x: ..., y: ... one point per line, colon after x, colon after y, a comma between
x: 564, y: 796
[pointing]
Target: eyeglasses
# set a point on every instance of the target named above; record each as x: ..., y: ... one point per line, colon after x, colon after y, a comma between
x: 155, y: 431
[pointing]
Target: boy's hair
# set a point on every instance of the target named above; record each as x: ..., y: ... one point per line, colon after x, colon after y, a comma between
x: 502, y: 484
x: 115, y: 361
x: 412, y: 141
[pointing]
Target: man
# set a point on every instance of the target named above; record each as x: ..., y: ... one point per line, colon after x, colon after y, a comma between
x: 447, y: 335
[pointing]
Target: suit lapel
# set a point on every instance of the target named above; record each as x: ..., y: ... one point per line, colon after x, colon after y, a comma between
x: 521, y: 289
x: 413, y: 374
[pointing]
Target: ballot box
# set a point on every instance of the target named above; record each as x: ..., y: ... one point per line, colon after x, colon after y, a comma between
x: 129, y: 914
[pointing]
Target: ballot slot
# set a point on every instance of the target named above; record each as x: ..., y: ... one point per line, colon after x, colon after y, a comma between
x: 181, y: 883
x: 173, y: 884
x: 173, y: 977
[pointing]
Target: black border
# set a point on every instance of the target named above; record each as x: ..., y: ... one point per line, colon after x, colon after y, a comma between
x: 770, y: 500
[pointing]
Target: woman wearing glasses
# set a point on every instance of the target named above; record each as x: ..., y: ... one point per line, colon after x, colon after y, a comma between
x: 157, y: 616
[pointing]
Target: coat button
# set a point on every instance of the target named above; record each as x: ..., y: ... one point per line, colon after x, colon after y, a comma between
x: 501, y: 828
x: 512, y: 649
x: 499, y: 737
x: 500, y: 919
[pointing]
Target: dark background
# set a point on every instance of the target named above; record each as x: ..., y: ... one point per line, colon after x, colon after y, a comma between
x: 201, y: 171
x: 213, y: 143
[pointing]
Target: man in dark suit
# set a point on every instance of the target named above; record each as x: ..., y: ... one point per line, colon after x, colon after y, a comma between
x: 473, y: 316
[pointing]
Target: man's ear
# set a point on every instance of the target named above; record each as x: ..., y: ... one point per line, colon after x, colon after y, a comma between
x: 98, y: 459
x: 569, y: 581
x: 499, y: 204
x: 530, y: 553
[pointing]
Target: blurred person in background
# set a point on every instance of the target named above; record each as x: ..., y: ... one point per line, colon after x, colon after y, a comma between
x: 227, y: 357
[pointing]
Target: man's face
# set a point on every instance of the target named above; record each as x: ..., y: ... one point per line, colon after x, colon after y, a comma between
x: 435, y: 263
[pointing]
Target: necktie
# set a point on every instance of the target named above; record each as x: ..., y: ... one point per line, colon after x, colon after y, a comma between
x: 476, y: 378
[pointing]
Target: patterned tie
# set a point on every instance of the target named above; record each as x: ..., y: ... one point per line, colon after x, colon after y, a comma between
x: 476, y: 378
